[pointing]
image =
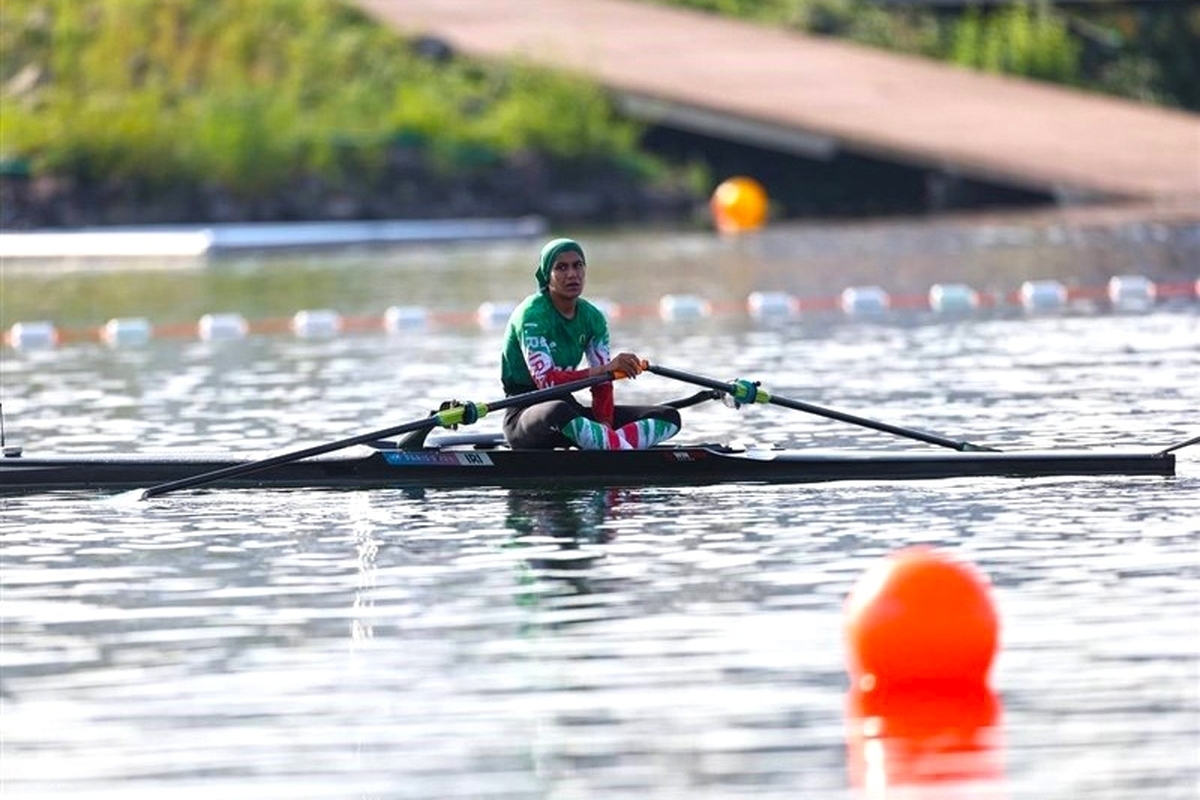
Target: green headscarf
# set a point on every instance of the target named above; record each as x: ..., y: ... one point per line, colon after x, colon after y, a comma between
x: 550, y: 252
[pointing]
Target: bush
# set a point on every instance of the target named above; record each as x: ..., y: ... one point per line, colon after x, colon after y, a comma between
x: 1034, y: 43
x: 1156, y: 58
x: 251, y: 96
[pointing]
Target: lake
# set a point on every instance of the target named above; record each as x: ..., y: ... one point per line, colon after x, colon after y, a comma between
x: 650, y: 643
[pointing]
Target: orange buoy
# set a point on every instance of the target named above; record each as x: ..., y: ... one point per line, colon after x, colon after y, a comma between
x: 739, y: 204
x: 919, y: 617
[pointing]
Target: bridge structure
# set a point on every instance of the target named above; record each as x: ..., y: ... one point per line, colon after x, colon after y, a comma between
x: 818, y: 98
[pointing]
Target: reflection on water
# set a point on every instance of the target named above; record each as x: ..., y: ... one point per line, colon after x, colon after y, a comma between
x: 654, y: 643
x: 556, y: 532
x: 925, y: 738
x: 524, y: 645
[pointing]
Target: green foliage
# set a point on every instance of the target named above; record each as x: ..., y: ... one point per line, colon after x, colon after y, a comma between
x: 765, y: 10
x: 1156, y: 58
x: 565, y: 117
x: 1133, y: 76
x: 1159, y: 60
x: 248, y: 94
x: 1018, y: 40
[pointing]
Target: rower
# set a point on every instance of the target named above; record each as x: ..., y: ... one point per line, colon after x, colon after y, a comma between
x: 547, y: 337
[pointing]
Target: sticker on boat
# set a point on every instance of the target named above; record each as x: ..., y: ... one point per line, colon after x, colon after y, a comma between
x: 451, y: 458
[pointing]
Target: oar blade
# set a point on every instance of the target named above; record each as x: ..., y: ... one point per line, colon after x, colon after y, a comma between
x: 967, y: 447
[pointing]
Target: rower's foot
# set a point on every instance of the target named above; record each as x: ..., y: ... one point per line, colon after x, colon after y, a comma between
x: 646, y: 433
x: 639, y: 435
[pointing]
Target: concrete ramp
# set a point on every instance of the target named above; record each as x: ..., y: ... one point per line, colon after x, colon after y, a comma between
x: 813, y: 97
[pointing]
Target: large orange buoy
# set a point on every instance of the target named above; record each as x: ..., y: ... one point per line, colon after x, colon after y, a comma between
x: 739, y: 204
x: 918, y: 618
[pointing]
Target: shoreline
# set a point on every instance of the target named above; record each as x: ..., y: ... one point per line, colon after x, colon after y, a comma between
x: 201, y: 241
x: 200, y: 238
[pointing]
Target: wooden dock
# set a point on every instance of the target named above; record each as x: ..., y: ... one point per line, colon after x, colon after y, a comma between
x: 815, y: 97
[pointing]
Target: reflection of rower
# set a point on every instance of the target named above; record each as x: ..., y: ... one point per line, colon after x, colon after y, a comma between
x: 569, y: 516
x: 558, y: 531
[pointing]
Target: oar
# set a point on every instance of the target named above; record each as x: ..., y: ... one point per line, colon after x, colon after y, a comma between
x: 747, y: 392
x: 456, y: 415
x: 1180, y: 446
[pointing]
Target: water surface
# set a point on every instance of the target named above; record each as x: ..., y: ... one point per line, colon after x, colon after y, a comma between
x: 654, y: 643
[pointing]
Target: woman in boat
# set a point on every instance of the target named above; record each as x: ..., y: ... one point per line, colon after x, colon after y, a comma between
x: 548, y: 335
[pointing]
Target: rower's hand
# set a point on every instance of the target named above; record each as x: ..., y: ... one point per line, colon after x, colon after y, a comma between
x: 627, y: 364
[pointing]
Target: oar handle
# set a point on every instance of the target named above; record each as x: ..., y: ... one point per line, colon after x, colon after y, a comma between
x: 455, y: 415
x: 747, y: 392
x: 618, y: 374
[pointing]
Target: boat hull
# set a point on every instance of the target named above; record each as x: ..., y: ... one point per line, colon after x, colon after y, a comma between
x: 368, y: 468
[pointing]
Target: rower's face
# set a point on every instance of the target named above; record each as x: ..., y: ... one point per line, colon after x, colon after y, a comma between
x: 567, y: 275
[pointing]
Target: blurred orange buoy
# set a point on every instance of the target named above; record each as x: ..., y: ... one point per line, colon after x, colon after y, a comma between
x: 739, y: 204
x: 919, y: 617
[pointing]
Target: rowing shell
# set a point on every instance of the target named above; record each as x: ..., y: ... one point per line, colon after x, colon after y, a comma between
x: 467, y: 461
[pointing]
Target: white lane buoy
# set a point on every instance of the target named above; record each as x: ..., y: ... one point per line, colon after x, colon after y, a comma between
x: 1042, y: 296
x: 680, y: 307
x: 491, y: 315
x: 322, y: 323
x: 864, y: 301
x: 126, y: 332
x: 222, y: 327
x: 772, y: 305
x: 1131, y: 293
x: 402, y: 318
x: 37, y: 335
x: 953, y: 298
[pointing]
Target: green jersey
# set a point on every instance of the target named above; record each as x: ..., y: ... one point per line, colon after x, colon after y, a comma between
x: 543, y: 348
